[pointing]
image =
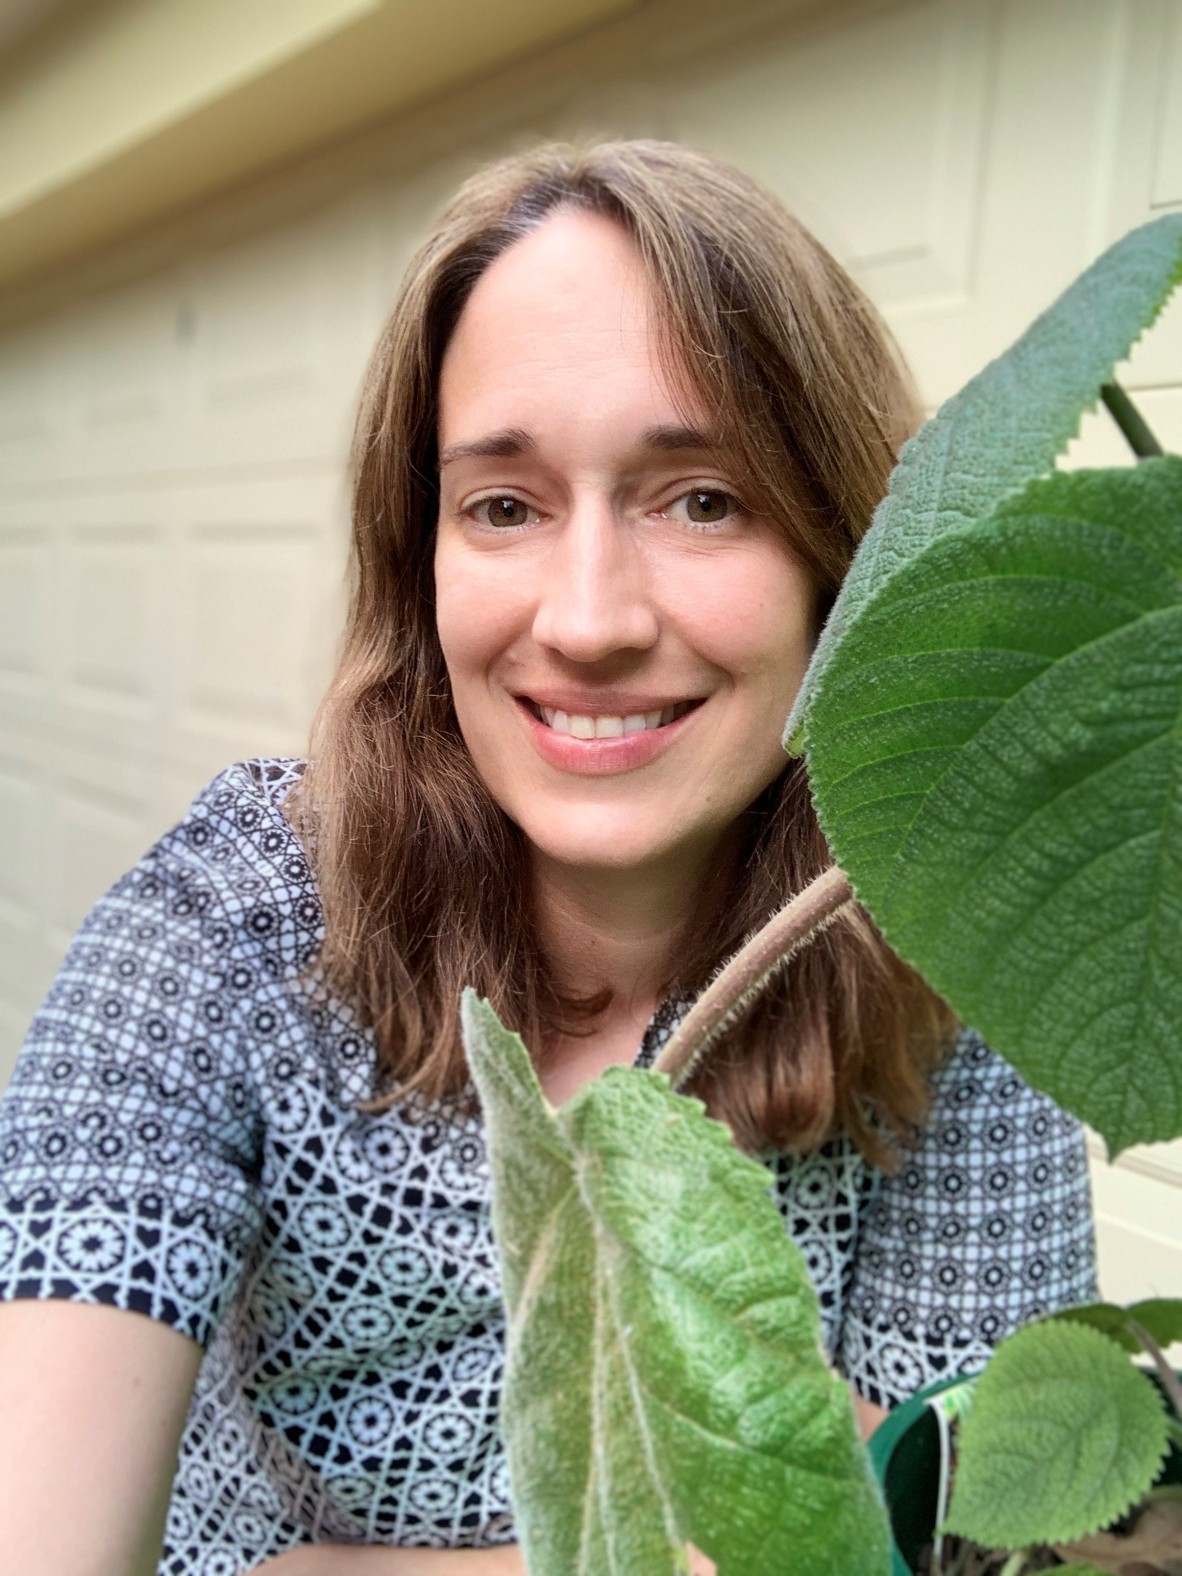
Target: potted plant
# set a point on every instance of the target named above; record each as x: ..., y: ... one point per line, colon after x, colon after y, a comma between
x: 1070, y: 1459
x: 993, y: 727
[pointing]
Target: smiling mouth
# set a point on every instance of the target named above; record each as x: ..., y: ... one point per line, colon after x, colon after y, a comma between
x: 604, y: 726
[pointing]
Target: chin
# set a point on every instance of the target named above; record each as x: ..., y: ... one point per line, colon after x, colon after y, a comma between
x: 590, y: 845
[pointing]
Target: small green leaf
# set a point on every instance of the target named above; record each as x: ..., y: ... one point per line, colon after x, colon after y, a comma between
x: 1107, y: 1317
x: 1159, y: 1317
x: 996, y: 759
x: 665, y: 1381
x: 1065, y: 1434
x: 1010, y: 423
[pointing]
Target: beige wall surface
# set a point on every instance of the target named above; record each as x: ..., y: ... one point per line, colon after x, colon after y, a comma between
x: 174, y: 414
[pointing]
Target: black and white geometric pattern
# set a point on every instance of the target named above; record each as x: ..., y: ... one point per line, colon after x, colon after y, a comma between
x: 180, y: 1139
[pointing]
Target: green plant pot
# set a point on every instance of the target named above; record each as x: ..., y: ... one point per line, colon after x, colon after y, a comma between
x: 905, y: 1452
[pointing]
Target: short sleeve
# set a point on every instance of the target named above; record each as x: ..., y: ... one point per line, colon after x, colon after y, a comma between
x: 129, y: 1132
x: 988, y: 1224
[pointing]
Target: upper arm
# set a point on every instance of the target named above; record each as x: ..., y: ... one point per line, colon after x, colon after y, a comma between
x: 92, y: 1404
x: 129, y: 1132
x: 130, y: 1197
x: 868, y: 1415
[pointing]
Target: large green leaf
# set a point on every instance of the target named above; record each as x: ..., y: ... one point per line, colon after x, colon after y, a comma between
x: 665, y: 1381
x: 1063, y: 1437
x: 996, y: 759
x: 1007, y: 425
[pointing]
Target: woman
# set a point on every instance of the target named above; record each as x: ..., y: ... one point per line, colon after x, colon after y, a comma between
x: 621, y: 435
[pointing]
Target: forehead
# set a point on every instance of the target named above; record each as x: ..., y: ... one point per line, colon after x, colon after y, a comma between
x: 566, y: 315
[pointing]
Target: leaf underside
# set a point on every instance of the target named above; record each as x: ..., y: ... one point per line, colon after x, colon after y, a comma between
x: 996, y: 759
x: 1009, y: 424
x: 665, y: 1382
x: 1065, y: 1434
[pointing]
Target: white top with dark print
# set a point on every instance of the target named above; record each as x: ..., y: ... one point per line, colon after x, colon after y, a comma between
x: 180, y: 1138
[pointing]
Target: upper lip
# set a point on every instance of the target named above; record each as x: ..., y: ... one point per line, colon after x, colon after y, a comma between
x: 604, y: 703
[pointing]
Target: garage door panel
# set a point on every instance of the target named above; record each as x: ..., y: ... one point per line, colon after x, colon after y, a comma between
x: 26, y: 408
x: 920, y: 75
x: 13, y: 1024
x: 25, y: 612
x: 110, y: 620
x: 97, y: 835
x: 241, y: 662
x: 21, y: 816
x: 29, y: 960
x: 128, y: 363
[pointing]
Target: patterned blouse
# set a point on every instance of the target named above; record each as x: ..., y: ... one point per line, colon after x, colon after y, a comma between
x: 180, y: 1139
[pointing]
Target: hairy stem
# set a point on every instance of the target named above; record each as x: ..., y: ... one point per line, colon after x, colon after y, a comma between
x: 1132, y: 424
x: 1169, y: 1379
x: 732, y: 991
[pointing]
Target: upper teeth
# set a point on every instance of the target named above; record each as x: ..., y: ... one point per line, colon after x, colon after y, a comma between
x: 580, y: 727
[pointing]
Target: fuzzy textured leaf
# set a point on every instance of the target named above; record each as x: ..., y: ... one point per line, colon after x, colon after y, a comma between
x: 1159, y: 1317
x: 1007, y: 425
x: 1065, y: 1434
x: 996, y: 760
x: 665, y: 1380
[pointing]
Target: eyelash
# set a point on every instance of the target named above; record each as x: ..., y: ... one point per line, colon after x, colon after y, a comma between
x: 736, y: 510
x: 470, y: 511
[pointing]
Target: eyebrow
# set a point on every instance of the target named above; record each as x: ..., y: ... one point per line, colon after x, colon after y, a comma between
x: 507, y: 444
x: 511, y: 443
x: 672, y: 438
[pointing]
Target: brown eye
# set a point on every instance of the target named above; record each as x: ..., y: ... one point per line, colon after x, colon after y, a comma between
x: 708, y: 508
x: 504, y: 511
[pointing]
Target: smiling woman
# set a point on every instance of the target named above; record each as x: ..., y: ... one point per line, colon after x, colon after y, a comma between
x: 622, y: 434
x: 660, y: 416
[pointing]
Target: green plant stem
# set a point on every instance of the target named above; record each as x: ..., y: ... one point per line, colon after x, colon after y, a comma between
x: 1129, y: 419
x: 1014, y: 1564
x: 1169, y: 1379
x: 733, y: 990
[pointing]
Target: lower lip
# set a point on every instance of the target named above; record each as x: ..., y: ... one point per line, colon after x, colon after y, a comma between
x: 598, y: 757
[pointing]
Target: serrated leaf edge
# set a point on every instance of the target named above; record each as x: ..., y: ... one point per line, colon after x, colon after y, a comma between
x: 1069, y: 1532
x: 840, y: 617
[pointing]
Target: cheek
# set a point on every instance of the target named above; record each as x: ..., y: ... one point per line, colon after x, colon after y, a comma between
x: 462, y: 613
x: 477, y: 614
x: 756, y: 621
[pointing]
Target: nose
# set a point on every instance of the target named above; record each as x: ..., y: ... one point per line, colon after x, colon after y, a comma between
x: 594, y: 597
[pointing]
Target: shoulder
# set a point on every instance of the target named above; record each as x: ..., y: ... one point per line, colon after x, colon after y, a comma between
x: 195, y: 941
x: 986, y: 1225
x: 237, y: 821
x: 234, y: 860
x: 981, y: 1103
x: 996, y: 1159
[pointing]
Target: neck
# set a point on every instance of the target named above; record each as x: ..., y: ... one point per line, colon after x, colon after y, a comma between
x: 611, y: 934
x: 614, y: 932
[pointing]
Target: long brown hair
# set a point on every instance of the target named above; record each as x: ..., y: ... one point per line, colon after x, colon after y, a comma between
x: 423, y: 878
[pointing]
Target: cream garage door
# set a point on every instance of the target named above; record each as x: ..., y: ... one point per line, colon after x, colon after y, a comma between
x: 171, y: 560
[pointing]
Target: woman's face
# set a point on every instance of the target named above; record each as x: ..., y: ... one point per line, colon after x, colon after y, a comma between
x: 623, y: 639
